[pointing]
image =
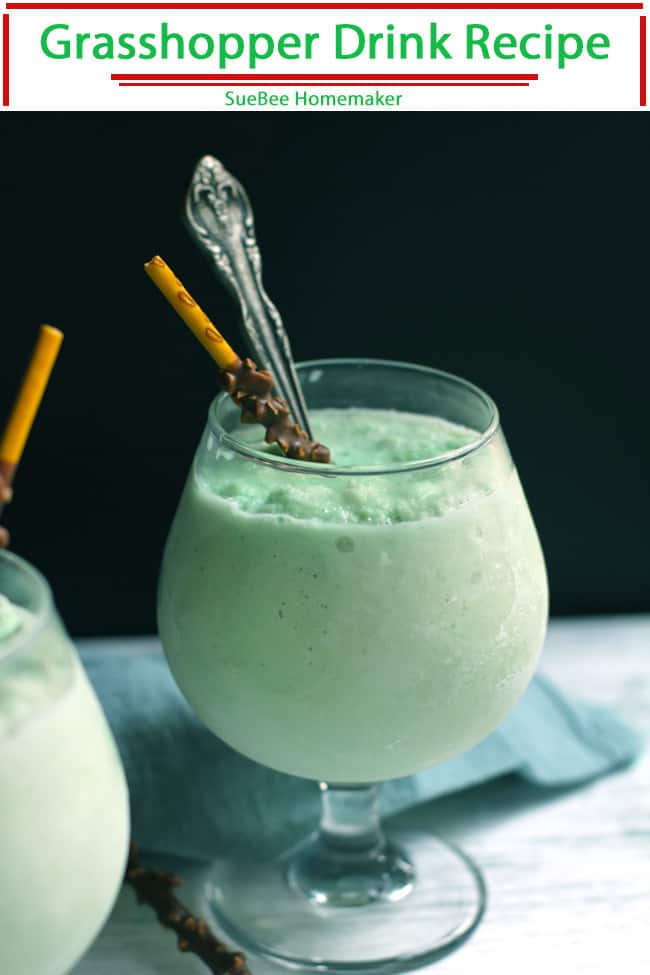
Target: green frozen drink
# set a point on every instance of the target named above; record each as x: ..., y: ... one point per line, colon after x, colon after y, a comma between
x: 352, y: 622
x: 354, y: 628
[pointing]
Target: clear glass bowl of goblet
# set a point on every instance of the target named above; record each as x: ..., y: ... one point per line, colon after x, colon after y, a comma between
x: 353, y: 623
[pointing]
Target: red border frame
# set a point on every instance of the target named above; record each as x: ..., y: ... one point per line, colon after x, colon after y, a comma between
x: 130, y: 80
x: 643, y: 48
x: 5, y: 60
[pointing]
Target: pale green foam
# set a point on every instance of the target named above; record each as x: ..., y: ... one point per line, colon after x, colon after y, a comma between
x: 377, y: 438
x: 357, y: 439
x: 11, y: 618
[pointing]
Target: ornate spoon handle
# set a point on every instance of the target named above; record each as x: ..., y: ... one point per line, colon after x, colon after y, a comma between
x: 220, y: 217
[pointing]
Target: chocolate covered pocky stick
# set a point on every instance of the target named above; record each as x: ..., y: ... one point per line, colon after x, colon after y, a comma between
x: 157, y: 889
x: 24, y: 411
x: 248, y: 386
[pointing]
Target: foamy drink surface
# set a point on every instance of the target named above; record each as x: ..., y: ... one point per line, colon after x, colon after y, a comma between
x: 354, y: 627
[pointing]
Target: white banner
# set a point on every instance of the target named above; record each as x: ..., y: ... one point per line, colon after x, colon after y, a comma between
x: 333, y: 57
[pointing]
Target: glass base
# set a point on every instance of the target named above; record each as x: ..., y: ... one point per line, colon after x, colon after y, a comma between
x: 422, y: 899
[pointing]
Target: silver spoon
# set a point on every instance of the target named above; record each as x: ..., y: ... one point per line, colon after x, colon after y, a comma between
x: 220, y: 218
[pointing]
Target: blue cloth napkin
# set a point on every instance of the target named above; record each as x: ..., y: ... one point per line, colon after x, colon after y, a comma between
x: 194, y: 796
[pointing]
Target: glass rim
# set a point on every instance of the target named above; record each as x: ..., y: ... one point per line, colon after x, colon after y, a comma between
x: 18, y: 640
x: 332, y: 470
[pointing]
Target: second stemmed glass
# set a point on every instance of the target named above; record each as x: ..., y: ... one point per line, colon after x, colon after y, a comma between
x: 63, y: 794
x: 352, y: 625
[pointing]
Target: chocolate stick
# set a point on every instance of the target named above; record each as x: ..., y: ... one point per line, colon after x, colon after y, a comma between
x: 156, y: 888
x: 248, y: 386
x: 6, y: 477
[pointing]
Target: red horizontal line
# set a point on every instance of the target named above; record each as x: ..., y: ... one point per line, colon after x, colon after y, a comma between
x: 328, y: 84
x: 298, y: 77
x: 324, y: 6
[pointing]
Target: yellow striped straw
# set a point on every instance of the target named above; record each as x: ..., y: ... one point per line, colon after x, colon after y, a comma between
x: 29, y: 398
x: 191, y: 313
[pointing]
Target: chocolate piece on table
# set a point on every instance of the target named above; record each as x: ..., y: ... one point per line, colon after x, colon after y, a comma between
x: 156, y: 888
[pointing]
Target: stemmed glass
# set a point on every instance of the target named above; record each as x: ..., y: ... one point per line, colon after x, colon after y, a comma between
x: 64, y: 805
x: 328, y: 642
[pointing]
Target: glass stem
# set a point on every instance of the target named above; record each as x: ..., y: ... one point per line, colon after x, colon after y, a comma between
x: 350, y: 825
x: 349, y: 862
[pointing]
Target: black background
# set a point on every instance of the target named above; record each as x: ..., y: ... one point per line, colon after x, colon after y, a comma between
x: 509, y: 248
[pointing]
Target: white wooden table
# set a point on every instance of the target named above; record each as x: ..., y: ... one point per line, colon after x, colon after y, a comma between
x: 568, y: 871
